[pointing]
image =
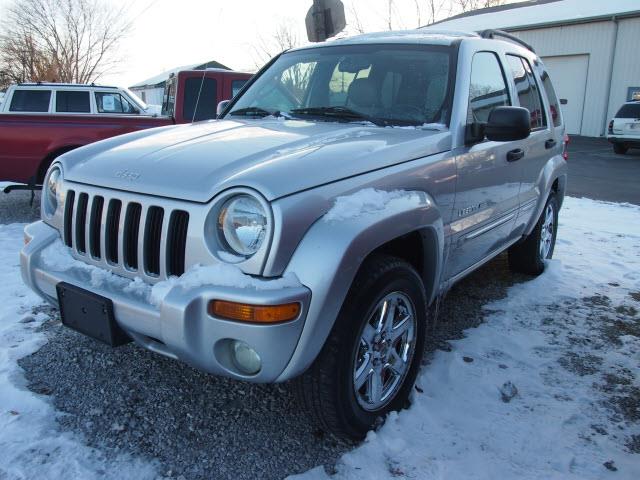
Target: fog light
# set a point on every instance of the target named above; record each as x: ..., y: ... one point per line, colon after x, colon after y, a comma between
x: 246, y: 358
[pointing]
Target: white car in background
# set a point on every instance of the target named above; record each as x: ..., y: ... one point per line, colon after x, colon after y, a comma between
x: 624, y: 129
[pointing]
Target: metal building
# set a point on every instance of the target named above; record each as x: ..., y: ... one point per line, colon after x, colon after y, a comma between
x: 590, y: 47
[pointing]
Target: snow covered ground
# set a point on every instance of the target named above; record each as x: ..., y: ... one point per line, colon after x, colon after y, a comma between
x: 548, y: 387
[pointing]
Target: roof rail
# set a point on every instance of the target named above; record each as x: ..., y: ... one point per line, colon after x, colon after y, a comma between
x: 491, y: 33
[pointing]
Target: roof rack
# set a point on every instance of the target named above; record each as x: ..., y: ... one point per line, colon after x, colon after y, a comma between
x: 491, y: 33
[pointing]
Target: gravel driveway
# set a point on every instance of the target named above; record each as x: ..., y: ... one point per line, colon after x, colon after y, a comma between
x: 196, y: 425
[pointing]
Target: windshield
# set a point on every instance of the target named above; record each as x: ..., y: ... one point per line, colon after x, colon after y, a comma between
x: 136, y: 99
x: 384, y: 84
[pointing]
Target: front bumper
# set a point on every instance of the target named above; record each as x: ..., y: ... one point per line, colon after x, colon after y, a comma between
x: 180, y: 327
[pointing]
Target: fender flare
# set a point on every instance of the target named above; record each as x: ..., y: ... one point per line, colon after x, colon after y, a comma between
x: 554, y: 169
x: 331, y: 253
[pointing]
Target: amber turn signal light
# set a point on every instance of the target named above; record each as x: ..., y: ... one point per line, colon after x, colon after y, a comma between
x: 253, y: 313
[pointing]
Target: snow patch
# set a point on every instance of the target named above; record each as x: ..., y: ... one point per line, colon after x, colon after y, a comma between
x: 366, y: 201
x: 516, y: 411
x: 31, y: 446
x: 222, y: 275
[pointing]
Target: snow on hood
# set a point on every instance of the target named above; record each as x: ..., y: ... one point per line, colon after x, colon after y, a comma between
x: 276, y: 157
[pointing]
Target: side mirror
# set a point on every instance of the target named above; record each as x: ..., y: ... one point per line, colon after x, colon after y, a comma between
x: 506, y: 124
x: 222, y: 106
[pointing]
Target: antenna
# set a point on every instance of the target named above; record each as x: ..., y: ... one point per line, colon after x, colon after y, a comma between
x: 195, y: 110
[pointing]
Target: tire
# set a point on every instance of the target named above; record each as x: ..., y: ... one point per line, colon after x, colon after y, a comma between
x: 327, y: 389
x: 620, y: 149
x: 528, y: 256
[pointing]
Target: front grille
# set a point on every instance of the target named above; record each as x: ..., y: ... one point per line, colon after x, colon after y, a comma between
x: 94, y: 224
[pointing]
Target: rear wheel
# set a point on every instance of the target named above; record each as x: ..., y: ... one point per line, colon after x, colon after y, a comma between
x: 619, y: 148
x: 528, y: 256
x: 369, y: 363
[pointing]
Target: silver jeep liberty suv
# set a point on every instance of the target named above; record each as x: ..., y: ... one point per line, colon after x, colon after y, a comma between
x: 304, y: 233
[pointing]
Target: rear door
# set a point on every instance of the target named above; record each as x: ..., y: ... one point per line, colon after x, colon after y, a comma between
x: 544, y: 142
x: 488, y: 184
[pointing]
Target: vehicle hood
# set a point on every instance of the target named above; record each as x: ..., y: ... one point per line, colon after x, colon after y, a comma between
x: 276, y: 157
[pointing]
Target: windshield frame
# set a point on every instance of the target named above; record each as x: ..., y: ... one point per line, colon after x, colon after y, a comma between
x: 452, y: 50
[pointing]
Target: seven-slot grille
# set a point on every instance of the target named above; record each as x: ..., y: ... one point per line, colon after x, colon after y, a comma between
x: 112, y: 230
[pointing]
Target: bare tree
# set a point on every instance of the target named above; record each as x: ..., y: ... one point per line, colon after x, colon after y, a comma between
x: 61, y: 40
x: 469, y: 5
x: 283, y: 38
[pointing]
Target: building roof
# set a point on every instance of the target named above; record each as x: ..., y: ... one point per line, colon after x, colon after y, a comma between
x: 537, y: 13
x: 158, y: 80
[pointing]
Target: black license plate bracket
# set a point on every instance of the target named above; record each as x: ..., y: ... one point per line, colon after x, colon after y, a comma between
x: 90, y: 314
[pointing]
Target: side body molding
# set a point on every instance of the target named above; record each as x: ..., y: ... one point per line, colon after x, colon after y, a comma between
x: 329, y: 256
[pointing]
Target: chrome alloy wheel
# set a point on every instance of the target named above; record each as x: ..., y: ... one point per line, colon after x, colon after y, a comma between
x: 546, y: 232
x: 385, y: 351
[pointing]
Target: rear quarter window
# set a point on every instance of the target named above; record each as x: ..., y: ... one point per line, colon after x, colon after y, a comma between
x: 547, y: 86
x: 629, y: 110
x: 36, y: 101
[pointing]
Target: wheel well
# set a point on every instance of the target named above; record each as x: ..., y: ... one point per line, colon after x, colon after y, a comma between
x: 420, y: 249
x: 48, y: 160
x: 554, y: 187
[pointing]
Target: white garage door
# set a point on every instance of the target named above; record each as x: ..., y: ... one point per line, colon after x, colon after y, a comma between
x: 569, y: 76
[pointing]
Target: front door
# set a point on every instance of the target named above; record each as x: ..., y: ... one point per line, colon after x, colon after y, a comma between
x: 488, y: 183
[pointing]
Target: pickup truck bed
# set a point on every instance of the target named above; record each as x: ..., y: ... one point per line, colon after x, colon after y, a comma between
x: 28, y: 143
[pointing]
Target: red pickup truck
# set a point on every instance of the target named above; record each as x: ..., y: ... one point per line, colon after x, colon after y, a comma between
x: 39, y: 122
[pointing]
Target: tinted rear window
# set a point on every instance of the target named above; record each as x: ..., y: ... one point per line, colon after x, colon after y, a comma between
x: 30, y: 101
x: 629, y: 110
x: 72, y: 102
x: 200, y: 92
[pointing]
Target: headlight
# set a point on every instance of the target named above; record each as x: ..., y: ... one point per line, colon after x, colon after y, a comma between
x: 50, y: 191
x: 242, y: 223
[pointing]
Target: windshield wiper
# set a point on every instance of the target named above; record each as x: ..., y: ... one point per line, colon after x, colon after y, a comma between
x: 337, y: 112
x: 254, y: 112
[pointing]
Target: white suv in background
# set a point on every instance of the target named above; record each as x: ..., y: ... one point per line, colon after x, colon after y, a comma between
x: 624, y: 129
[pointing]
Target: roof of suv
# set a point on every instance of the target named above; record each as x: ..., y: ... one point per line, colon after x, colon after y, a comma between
x: 424, y: 36
x: 431, y: 37
x: 63, y: 85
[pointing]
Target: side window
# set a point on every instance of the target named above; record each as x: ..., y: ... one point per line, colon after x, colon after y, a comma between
x: 528, y: 94
x: 112, y: 102
x: 201, y: 94
x: 554, y: 105
x: 488, y: 88
x: 72, y: 102
x: 30, y: 101
x: 236, y: 86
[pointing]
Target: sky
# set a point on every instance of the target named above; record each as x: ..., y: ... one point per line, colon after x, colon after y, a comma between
x: 167, y: 33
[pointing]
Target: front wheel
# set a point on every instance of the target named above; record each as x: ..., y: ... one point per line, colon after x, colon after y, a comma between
x: 528, y: 256
x: 369, y: 363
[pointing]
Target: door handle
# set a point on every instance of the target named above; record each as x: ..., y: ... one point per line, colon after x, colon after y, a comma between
x: 549, y: 143
x: 515, y: 155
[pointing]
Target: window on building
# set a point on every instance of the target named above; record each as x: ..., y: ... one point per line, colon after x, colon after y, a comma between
x: 68, y: 101
x: 236, y: 86
x: 114, y: 103
x: 30, y: 101
x: 527, y: 88
x: 488, y: 88
x: 200, y: 95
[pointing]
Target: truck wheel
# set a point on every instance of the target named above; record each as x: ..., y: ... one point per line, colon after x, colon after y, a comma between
x: 528, y: 256
x: 619, y: 148
x: 370, y: 360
